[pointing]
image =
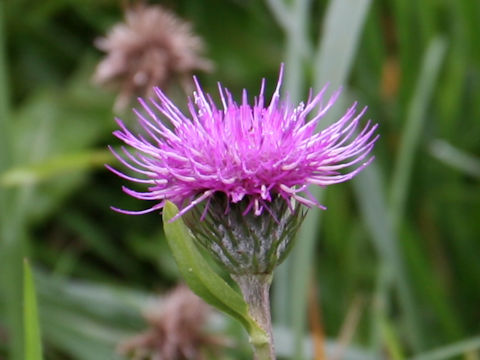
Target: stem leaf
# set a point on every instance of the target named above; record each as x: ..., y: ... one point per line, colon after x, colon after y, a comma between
x: 201, y: 278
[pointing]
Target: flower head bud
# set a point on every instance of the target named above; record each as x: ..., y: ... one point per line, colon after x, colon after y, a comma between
x: 152, y: 47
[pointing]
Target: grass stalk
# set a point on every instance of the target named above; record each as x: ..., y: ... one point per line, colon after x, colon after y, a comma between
x: 11, y: 250
x: 341, y: 29
x: 451, y: 351
x: 416, y: 118
x: 294, y: 20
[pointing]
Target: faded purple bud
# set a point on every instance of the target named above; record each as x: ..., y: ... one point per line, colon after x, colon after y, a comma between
x: 176, y: 330
x: 152, y: 47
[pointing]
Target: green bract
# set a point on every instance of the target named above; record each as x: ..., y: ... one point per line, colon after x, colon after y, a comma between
x: 245, y: 243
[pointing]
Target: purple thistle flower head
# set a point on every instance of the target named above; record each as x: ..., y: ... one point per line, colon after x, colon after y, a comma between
x: 252, y: 154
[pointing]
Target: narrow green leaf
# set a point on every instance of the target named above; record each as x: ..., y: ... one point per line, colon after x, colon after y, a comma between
x: 295, y: 20
x: 369, y: 192
x: 416, y: 118
x: 341, y: 29
x: 392, y: 342
x: 200, y: 277
x: 5, y: 140
x: 456, y: 158
x: 10, y: 275
x: 33, y: 343
x: 54, y: 166
x: 452, y: 350
x: 368, y: 189
x: 409, y: 44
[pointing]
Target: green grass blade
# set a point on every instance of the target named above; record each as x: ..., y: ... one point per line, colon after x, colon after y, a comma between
x: 297, y: 47
x: 392, y: 342
x: 341, y: 31
x: 4, y: 99
x: 416, y: 118
x: 55, y: 166
x: 33, y: 342
x: 369, y: 190
x: 11, y: 253
x: 408, y: 47
x: 284, y: 347
x: 456, y: 158
x: 343, y: 25
x: 295, y: 21
x: 10, y: 245
x: 452, y: 350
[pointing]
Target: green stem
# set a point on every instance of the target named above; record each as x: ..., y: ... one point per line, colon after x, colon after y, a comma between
x: 256, y: 292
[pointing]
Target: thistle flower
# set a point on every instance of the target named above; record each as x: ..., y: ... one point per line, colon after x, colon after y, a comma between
x: 151, y: 48
x: 240, y: 174
x: 253, y: 155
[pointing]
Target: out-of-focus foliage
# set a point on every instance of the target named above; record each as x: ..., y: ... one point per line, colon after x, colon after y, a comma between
x: 95, y: 269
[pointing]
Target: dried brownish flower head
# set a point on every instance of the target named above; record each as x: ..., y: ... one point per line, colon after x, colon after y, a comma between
x: 152, y: 47
x: 177, y: 330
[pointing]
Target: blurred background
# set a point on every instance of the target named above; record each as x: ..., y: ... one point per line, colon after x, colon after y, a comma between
x: 390, y: 271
